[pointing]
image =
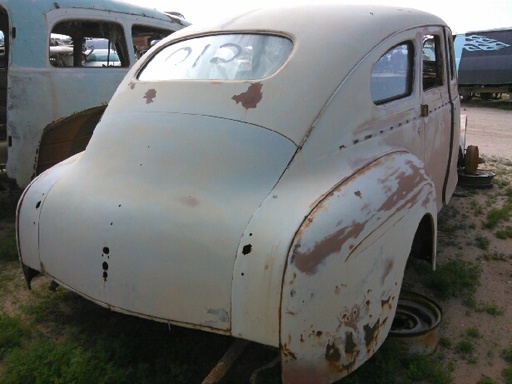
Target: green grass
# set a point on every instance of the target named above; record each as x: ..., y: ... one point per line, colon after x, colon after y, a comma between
x: 12, y: 333
x: 473, y: 333
x: 455, y: 278
x: 464, y: 347
x: 388, y: 365
x: 506, y: 354
x: 505, y: 233
x: 497, y: 215
x: 486, y: 380
x: 491, y: 309
x: 482, y: 242
x: 8, y: 249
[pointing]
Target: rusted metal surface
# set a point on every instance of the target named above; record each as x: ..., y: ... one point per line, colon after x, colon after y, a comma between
x: 234, y: 206
x: 415, y: 329
x: 44, y: 100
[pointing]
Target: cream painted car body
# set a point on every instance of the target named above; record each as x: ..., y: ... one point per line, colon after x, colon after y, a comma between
x: 280, y: 209
x: 50, y: 97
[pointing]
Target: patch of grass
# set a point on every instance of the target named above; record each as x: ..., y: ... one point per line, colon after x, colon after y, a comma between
x: 493, y: 310
x: 503, y: 213
x: 476, y: 208
x: 12, y: 333
x: 507, y: 375
x: 388, y: 365
x: 455, y: 278
x: 45, y: 361
x: 464, y: 347
x: 486, y: 380
x: 505, y: 233
x: 495, y: 256
x: 482, y: 242
x: 473, y: 333
x: 506, y: 354
x: 8, y: 248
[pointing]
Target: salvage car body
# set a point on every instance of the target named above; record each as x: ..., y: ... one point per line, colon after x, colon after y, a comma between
x: 275, y: 205
x: 50, y: 97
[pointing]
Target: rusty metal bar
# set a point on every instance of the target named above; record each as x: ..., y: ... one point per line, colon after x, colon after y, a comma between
x: 222, y: 367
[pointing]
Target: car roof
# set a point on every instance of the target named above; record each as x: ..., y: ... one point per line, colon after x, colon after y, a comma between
x: 368, y: 23
x: 114, y: 6
x: 329, y: 42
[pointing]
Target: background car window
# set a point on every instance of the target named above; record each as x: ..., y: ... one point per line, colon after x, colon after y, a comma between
x: 144, y: 37
x: 392, y: 74
x: 432, y: 62
x: 220, y: 57
x: 82, y: 43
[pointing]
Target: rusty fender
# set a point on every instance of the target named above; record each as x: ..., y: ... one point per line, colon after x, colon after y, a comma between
x: 345, y: 269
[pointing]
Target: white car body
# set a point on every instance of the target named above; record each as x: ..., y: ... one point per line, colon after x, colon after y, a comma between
x: 276, y: 206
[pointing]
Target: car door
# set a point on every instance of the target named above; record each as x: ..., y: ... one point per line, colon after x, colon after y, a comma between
x: 437, y: 110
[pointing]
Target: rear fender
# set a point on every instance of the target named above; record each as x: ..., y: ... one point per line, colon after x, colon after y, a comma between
x: 345, y: 268
x: 28, y: 211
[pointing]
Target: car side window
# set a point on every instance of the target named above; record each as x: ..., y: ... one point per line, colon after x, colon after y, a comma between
x: 83, y: 43
x: 432, y: 62
x: 144, y: 37
x: 451, y: 58
x: 392, y: 74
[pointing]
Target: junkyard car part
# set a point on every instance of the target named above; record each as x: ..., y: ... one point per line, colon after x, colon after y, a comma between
x: 416, y: 323
x: 237, y: 183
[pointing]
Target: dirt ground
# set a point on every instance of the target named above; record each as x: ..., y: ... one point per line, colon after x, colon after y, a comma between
x: 491, y: 130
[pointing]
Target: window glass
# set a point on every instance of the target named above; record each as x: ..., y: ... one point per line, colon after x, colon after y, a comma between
x: 392, y: 75
x: 453, y: 69
x: 144, y: 37
x: 220, y: 57
x: 432, y: 62
x: 82, y: 43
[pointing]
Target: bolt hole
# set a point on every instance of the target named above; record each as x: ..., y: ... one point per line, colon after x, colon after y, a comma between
x: 106, y: 250
x: 247, y: 249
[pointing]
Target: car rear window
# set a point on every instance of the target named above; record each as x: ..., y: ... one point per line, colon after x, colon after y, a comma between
x: 219, y: 57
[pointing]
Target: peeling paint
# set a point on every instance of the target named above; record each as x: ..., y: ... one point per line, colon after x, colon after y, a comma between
x: 150, y: 95
x: 308, y: 262
x: 220, y: 314
x: 251, y: 97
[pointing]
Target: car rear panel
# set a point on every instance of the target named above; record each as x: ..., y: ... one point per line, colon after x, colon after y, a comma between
x: 152, y: 227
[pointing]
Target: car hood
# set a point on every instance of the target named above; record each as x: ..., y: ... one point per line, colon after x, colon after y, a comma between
x: 149, y: 219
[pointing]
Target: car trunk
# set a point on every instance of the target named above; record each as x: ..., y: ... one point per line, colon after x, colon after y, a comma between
x: 153, y: 226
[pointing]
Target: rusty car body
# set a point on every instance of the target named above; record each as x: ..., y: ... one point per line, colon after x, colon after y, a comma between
x: 266, y: 178
x: 51, y: 94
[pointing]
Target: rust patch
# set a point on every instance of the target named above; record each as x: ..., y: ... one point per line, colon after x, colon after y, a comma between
x: 350, y: 320
x: 406, y: 184
x: 350, y: 346
x: 251, y: 97
x: 287, y: 352
x: 308, y: 262
x: 371, y: 333
x: 332, y: 353
x: 150, y: 95
x: 388, y: 303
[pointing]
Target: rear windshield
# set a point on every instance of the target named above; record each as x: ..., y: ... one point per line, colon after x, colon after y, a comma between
x: 219, y: 57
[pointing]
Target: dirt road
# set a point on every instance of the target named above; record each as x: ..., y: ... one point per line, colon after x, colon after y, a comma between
x: 490, y: 129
